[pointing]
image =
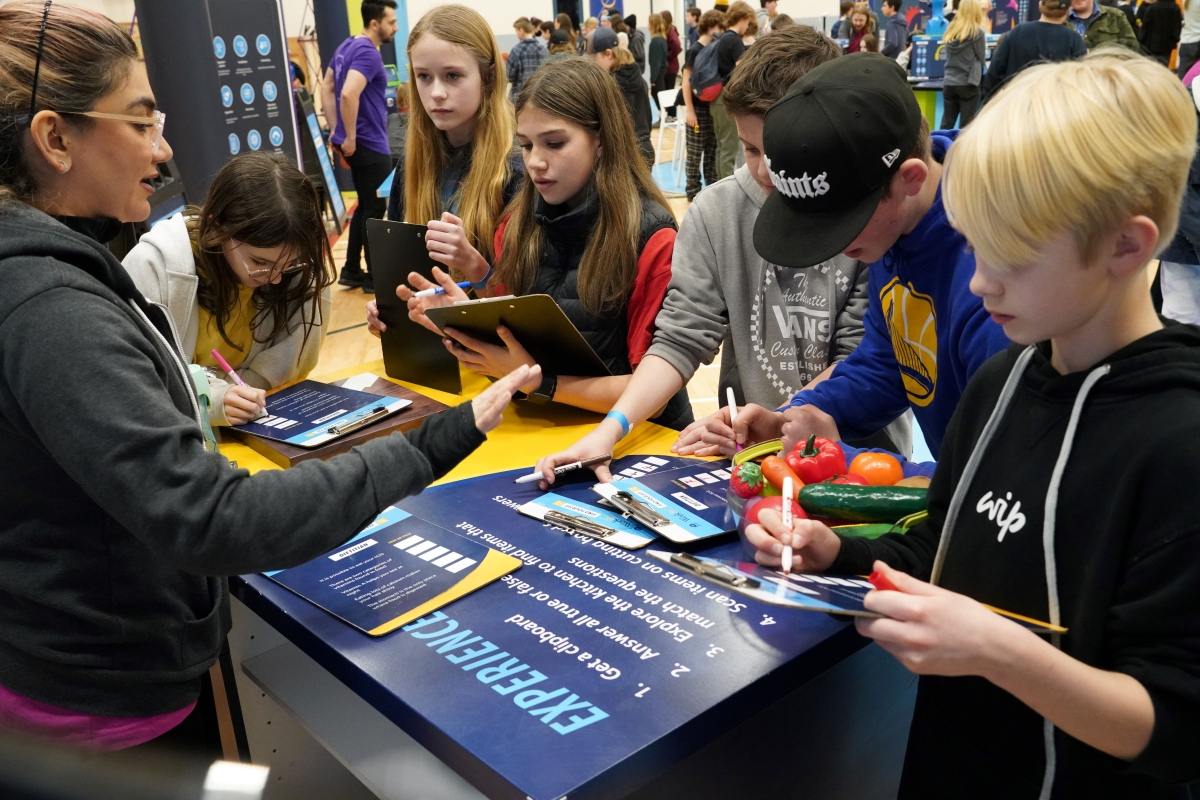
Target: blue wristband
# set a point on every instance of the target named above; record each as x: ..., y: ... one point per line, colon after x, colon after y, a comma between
x: 622, y: 419
x: 481, y: 285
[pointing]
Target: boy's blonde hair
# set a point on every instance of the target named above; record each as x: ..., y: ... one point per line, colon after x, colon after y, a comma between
x: 1076, y: 146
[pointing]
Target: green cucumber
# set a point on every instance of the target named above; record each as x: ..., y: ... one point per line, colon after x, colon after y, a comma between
x: 862, y: 503
x: 868, y: 530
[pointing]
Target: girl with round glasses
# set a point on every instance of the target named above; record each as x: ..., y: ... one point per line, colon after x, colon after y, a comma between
x: 248, y: 275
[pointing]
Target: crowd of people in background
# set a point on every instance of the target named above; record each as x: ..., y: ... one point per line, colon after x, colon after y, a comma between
x: 669, y: 75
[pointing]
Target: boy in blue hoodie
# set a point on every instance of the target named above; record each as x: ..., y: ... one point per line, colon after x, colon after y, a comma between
x: 857, y: 172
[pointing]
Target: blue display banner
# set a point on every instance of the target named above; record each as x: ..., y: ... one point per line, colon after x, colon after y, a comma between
x: 602, y: 8
x: 335, y: 196
x: 255, y: 113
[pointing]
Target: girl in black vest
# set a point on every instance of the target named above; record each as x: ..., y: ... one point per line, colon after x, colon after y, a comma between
x: 589, y: 228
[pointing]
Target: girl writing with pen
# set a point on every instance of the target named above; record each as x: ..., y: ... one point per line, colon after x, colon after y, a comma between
x: 246, y: 277
x: 590, y: 228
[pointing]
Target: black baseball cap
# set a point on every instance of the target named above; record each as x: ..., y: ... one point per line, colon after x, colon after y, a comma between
x: 559, y: 37
x: 604, y: 39
x: 832, y: 144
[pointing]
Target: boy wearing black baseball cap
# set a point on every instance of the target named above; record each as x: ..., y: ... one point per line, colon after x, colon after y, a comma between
x: 857, y: 172
x: 777, y: 329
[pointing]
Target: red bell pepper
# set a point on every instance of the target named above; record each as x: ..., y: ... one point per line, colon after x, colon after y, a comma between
x: 817, y: 459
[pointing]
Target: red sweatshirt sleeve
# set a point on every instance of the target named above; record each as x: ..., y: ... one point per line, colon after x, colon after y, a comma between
x: 497, y: 246
x: 649, y: 290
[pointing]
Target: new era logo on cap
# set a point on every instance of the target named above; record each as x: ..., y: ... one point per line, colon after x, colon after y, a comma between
x: 831, y: 145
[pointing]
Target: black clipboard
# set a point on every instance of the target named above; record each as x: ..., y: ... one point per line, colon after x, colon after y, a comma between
x: 411, y: 352
x: 539, y: 325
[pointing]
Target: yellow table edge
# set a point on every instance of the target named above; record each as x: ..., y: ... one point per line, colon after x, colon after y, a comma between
x: 525, y: 434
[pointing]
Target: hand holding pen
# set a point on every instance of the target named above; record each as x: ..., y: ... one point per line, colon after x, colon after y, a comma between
x: 565, y: 468
x: 464, y: 285
x: 242, y: 403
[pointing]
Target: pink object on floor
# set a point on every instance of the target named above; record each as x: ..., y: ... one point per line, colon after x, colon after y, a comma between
x: 62, y: 726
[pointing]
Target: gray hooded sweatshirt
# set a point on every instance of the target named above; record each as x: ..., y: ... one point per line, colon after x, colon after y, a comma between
x: 115, y: 524
x: 781, y: 326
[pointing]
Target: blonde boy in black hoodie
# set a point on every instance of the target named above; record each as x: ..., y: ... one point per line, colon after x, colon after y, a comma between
x: 1068, y: 476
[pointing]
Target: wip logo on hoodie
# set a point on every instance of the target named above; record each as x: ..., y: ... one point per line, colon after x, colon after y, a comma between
x: 1002, y: 511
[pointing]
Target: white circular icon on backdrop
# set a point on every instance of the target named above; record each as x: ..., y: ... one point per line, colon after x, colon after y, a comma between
x: 239, y: 46
x: 269, y: 91
x: 276, y: 136
x: 235, y: 144
x: 263, y: 44
x: 219, y: 46
x: 247, y: 93
x: 254, y: 139
x: 226, y: 96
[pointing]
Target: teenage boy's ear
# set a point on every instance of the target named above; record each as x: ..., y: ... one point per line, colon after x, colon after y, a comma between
x: 1132, y: 245
x: 911, y: 176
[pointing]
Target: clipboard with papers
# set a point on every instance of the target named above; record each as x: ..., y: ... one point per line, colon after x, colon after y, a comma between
x: 310, y: 414
x: 831, y: 594
x: 536, y: 320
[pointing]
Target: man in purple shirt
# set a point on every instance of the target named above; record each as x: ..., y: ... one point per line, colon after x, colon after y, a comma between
x: 355, y: 87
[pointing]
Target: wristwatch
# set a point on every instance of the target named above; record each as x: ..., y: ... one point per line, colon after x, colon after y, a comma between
x: 544, y: 393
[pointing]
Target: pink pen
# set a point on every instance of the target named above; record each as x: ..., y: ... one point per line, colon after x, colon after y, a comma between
x: 229, y: 370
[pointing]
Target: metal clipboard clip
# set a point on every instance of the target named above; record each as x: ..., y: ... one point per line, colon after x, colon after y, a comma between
x: 583, y: 527
x: 629, y: 506
x: 717, y: 572
x: 349, y: 425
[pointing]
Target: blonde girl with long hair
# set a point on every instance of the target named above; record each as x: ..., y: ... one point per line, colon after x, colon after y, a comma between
x: 590, y: 228
x: 460, y: 166
x: 966, y: 48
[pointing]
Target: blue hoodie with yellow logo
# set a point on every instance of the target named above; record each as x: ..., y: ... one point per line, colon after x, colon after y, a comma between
x: 926, y: 334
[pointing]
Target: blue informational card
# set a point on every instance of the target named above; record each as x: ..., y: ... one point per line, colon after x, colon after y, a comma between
x: 310, y: 414
x: 399, y: 568
x: 829, y: 593
x: 833, y: 594
x: 688, y: 496
x: 588, y: 520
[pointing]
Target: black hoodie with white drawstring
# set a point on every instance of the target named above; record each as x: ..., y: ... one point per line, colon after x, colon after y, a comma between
x: 1115, y: 498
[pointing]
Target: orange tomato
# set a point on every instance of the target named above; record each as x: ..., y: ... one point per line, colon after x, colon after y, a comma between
x: 879, y: 469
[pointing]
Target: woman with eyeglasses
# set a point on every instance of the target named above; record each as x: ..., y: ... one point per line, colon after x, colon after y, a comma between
x: 247, y: 275
x: 116, y: 525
